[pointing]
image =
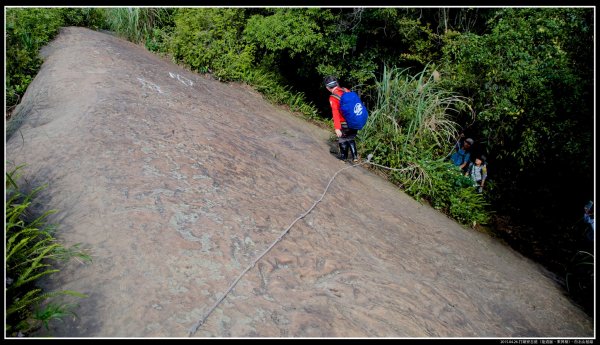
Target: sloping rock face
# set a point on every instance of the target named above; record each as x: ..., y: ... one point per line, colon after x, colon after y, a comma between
x: 176, y: 183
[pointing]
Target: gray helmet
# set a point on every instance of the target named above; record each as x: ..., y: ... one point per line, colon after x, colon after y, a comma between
x: 330, y: 81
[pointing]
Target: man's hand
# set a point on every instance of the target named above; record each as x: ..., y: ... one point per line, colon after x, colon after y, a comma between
x: 338, y: 133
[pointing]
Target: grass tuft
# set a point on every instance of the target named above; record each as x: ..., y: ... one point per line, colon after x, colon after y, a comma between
x: 31, y: 252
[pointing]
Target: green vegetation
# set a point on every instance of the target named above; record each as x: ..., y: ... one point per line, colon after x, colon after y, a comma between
x: 231, y: 53
x: 27, y: 31
x: 136, y: 24
x: 580, y: 279
x: 519, y: 81
x: 30, y: 250
x: 218, y: 32
x: 530, y: 78
x: 410, y: 129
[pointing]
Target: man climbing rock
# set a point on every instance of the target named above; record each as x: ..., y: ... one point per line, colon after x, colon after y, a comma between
x: 345, y: 135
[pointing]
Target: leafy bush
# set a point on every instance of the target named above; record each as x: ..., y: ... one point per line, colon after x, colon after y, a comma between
x: 289, y: 30
x: 468, y: 206
x: 158, y: 40
x: 27, y: 30
x: 218, y: 41
x: 210, y: 39
x: 411, y: 131
x: 93, y: 18
x: 445, y: 188
x: 531, y: 79
x: 30, y: 249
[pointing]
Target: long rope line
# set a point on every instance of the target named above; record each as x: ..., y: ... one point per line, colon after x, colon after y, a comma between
x: 384, y: 167
x: 200, y: 322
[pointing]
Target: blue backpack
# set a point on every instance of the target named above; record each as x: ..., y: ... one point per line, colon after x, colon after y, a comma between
x: 353, y: 109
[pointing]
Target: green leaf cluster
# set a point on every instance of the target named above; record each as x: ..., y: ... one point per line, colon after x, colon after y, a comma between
x: 411, y: 130
x: 289, y: 30
x: 27, y: 30
x: 530, y: 78
x: 211, y: 40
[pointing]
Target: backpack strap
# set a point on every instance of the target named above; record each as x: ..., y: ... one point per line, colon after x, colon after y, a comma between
x: 344, y: 90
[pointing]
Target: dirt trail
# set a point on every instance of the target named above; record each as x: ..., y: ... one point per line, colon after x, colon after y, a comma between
x: 177, y: 182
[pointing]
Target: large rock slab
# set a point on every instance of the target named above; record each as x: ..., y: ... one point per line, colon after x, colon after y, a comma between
x: 176, y: 183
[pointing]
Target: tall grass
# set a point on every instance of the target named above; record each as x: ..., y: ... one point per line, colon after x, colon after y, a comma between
x: 411, y: 129
x: 31, y: 248
x: 415, y: 110
x: 136, y: 24
x: 579, y: 279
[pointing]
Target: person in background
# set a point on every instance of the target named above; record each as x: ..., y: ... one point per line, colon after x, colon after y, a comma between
x: 461, y: 158
x: 478, y: 173
x: 588, y: 217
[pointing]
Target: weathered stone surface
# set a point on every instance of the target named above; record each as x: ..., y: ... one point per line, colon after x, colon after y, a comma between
x: 176, y: 183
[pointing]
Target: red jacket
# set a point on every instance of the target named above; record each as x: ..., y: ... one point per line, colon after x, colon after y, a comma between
x: 338, y: 118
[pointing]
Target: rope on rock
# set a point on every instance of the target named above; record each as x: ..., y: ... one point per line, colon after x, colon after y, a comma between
x: 200, y: 322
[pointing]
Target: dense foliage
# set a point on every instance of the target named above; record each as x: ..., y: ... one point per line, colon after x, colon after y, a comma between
x: 409, y: 130
x: 530, y: 75
x: 519, y: 81
x: 211, y: 39
x: 28, y: 30
x: 530, y: 79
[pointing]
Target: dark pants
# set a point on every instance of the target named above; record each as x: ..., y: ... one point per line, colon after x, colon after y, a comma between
x: 348, y: 134
x: 478, y: 187
x: 346, y: 141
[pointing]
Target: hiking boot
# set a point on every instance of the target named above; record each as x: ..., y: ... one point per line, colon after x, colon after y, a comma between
x: 353, y: 151
x: 343, y: 151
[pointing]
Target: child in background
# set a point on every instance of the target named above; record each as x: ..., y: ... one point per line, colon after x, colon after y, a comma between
x: 478, y: 173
